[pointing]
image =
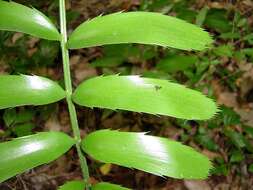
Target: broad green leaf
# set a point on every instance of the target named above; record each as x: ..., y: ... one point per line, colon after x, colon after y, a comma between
x: 22, y: 154
x: 248, y: 130
x: 79, y: 185
x: 108, y: 62
x: 186, y: 14
x: 230, y: 35
x: 176, y: 63
x: 239, y: 140
x: 237, y: 156
x: 73, y: 185
x: 19, y: 90
x: 115, y: 55
x: 224, y: 50
x: 139, y: 27
x: 206, y: 141
x: 19, y: 18
x: 23, y: 129
x: 155, y: 155
x: 107, y: 186
x: 9, y: 117
x: 12, y: 117
x: 146, y: 95
x: 250, y: 168
x: 217, y: 20
x: 200, y: 18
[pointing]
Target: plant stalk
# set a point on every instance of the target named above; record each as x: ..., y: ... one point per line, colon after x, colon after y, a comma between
x: 68, y: 88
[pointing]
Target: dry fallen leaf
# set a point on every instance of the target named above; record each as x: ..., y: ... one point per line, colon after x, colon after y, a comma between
x: 196, y: 185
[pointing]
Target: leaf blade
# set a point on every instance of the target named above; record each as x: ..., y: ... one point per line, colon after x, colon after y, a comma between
x: 19, y: 18
x: 139, y: 27
x: 155, y: 155
x: 31, y: 151
x: 175, y: 63
x: 152, y: 96
x: 19, y: 90
x: 73, y: 185
x: 107, y: 186
x: 80, y: 185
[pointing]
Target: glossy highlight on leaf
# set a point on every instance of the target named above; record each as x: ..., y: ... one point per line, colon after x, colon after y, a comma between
x: 147, y: 95
x: 19, y: 18
x: 22, y: 154
x: 19, y: 90
x: 139, y: 27
x: 155, y: 155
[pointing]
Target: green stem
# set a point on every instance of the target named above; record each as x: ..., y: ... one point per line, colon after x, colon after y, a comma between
x: 68, y: 86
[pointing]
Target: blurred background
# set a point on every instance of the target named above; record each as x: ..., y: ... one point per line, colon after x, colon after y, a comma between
x: 224, y: 72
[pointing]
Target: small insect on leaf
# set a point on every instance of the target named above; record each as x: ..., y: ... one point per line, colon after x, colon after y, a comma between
x: 155, y: 155
x: 19, y: 18
x: 153, y: 96
x: 19, y: 90
x: 139, y: 27
x: 25, y: 153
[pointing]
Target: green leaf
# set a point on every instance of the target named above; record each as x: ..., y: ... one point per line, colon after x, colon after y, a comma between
x: 237, y: 156
x: 19, y: 90
x: 176, y: 63
x: 200, y: 19
x: 229, y: 116
x: 24, y: 115
x: 73, y: 185
x: 206, y: 141
x: 25, y: 153
x: 79, y: 185
x: 147, y: 95
x: 108, y: 62
x: 139, y: 27
x: 115, y: 55
x: 9, y: 116
x: 251, y: 168
x: 186, y: 14
x: 224, y: 50
x: 248, y: 130
x: 237, y: 138
x: 155, y: 155
x: 19, y: 18
x: 217, y: 20
x: 230, y: 35
x: 107, y: 186
x: 23, y: 129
